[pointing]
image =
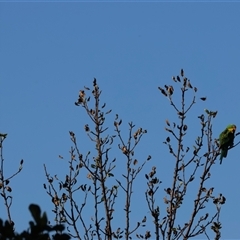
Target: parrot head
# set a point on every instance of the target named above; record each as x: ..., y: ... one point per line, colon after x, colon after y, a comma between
x: 231, y: 128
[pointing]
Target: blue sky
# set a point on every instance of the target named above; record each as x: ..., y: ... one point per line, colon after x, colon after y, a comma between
x: 49, y: 51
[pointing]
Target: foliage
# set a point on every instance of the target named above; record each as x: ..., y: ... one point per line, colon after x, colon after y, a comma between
x: 91, y: 183
x: 39, y: 229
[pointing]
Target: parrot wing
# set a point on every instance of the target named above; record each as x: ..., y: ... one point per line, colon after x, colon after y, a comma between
x: 224, y: 138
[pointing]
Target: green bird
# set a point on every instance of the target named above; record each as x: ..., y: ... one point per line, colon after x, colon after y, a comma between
x: 226, y: 139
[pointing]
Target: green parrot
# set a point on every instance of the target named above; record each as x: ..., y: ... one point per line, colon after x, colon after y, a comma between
x: 226, y: 139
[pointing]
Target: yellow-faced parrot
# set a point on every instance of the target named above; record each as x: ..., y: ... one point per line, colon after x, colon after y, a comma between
x: 226, y: 139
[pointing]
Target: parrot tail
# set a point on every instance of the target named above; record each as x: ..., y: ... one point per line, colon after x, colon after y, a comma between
x: 221, y: 157
x: 223, y: 154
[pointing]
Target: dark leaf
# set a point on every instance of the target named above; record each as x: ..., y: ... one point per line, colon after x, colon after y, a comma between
x: 191, y: 179
x: 8, y: 189
x: 93, y: 166
x: 182, y: 72
x: 168, y: 191
x: 103, y: 106
x: 162, y: 91
x: 36, y: 212
x: 86, y: 127
x: 189, y: 84
x: 149, y: 157
x: 170, y: 90
x: 135, y: 162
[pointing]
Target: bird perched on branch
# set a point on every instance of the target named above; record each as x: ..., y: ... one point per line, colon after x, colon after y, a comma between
x: 226, y: 139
